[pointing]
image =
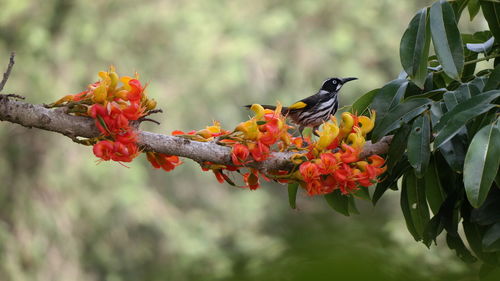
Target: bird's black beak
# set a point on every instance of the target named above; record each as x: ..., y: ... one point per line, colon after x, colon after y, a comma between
x: 345, y: 80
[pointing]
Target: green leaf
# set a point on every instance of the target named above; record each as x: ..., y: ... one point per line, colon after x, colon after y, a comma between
x: 454, y: 150
x: 414, y: 48
x: 491, y: 12
x: 474, y: 234
x: 453, y: 120
x: 479, y: 83
x: 494, y: 80
x: 456, y: 243
x: 436, y: 112
x: 446, y: 39
x: 419, y: 150
x: 338, y: 202
x: 362, y: 103
x: 292, y: 194
x: 491, y: 239
x: 481, y: 47
x: 352, y: 206
x: 432, y: 230
x: 458, y: 7
x: 414, y: 205
x: 436, y: 94
x: 481, y: 163
x: 473, y: 8
x: 390, y: 179
x: 453, y: 98
x: 433, y: 189
x: 398, y: 146
x: 400, y: 114
x: 488, y: 213
x: 482, y: 121
x: 388, y: 97
x: 406, y: 209
x: 363, y: 193
x: 470, y: 68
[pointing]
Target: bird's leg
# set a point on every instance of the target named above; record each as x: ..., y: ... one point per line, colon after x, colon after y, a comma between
x: 301, y: 128
x: 314, y: 130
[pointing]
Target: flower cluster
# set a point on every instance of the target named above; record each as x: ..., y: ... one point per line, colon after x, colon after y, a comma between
x: 256, y: 136
x: 321, y: 166
x: 333, y: 161
x: 114, y: 107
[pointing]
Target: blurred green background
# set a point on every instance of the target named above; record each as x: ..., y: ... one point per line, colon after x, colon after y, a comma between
x: 63, y: 217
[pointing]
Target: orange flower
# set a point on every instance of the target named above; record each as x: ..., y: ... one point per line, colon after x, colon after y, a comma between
x: 252, y: 179
x: 309, y: 171
x: 135, y: 93
x: 180, y: 133
x: 163, y: 161
x: 349, y: 155
x: 259, y: 151
x: 124, y: 152
x: 103, y: 149
x: 328, y: 163
x: 239, y: 154
x: 271, y: 132
x: 133, y: 112
x: 116, y: 151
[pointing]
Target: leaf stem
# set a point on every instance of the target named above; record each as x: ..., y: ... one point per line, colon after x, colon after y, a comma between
x: 492, y: 56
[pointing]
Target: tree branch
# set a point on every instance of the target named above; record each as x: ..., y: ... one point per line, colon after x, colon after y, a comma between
x: 7, y: 72
x: 57, y: 120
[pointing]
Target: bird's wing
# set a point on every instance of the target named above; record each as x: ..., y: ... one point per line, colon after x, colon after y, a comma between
x: 304, y: 103
x: 298, y: 105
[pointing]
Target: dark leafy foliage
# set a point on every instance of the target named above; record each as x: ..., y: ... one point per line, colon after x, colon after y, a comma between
x: 445, y: 120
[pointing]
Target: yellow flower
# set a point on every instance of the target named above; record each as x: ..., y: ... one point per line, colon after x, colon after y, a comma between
x: 249, y: 128
x: 346, y: 124
x: 100, y: 94
x: 356, y: 140
x: 326, y: 137
x: 367, y: 124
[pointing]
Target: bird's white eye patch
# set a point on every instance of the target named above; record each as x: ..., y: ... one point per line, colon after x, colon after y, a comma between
x: 334, y: 82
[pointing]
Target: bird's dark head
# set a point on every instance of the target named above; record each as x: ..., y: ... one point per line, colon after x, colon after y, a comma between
x: 334, y: 84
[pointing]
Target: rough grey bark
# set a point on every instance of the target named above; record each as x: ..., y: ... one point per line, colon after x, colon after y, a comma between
x: 57, y: 120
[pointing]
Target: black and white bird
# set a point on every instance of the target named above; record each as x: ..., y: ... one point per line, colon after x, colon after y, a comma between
x: 316, y: 109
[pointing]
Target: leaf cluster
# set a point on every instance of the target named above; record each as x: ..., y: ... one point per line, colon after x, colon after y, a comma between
x: 443, y: 112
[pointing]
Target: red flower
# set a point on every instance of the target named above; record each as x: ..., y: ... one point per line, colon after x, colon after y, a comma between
x: 309, y: 171
x: 219, y: 176
x: 110, y: 119
x: 239, y: 154
x: 270, y: 131
x: 103, y: 149
x: 178, y: 133
x: 116, y: 151
x: 135, y: 93
x: 163, y: 161
x: 252, y: 179
x: 133, y: 112
x: 126, y: 137
x: 124, y: 152
x: 259, y: 151
x: 328, y: 163
x: 349, y: 155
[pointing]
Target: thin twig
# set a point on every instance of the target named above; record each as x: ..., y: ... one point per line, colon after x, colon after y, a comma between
x: 7, y: 72
x: 492, y: 56
x: 153, y: 112
x: 148, y: 119
x: 14, y: 96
